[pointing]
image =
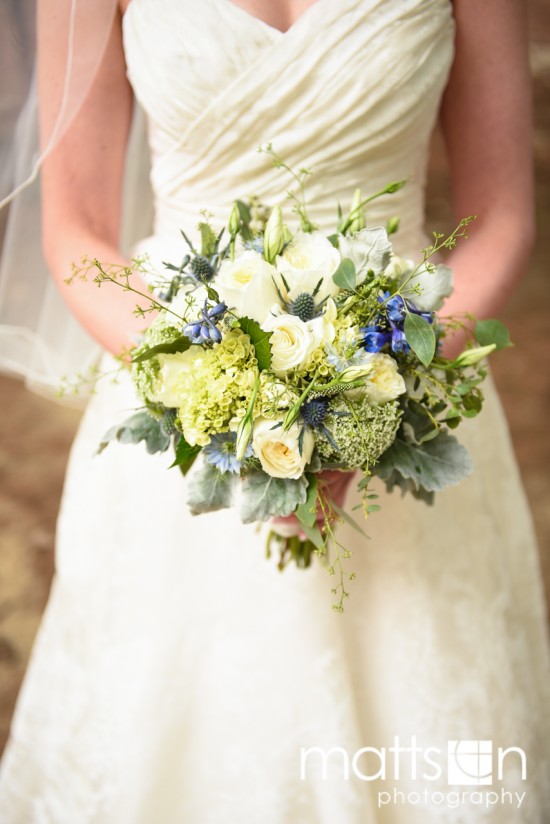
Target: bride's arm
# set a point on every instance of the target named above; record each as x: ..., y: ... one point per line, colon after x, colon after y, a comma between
x: 486, y: 119
x: 82, y: 185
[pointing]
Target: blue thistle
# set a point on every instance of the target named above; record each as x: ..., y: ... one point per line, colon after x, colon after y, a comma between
x: 314, y: 412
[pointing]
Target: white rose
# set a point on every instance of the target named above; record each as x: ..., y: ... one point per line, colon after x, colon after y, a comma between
x: 170, y: 387
x: 292, y: 341
x: 322, y: 328
x: 368, y: 249
x: 278, y: 451
x: 308, y: 259
x: 383, y: 383
x: 246, y: 285
x: 435, y: 286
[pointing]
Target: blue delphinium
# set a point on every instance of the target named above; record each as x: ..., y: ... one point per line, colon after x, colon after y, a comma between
x: 204, y: 329
x: 220, y: 452
x: 389, y: 325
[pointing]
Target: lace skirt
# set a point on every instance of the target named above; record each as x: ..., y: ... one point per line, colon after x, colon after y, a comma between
x: 178, y: 676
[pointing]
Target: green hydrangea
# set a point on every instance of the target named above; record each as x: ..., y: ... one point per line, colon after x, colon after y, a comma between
x: 318, y: 364
x: 145, y: 374
x: 360, y: 430
x: 217, y: 388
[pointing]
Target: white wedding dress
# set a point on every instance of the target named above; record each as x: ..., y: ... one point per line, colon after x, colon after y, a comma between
x: 177, y: 674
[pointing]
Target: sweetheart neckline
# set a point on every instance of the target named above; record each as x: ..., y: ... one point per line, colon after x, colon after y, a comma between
x: 265, y: 24
x: 259, y: 20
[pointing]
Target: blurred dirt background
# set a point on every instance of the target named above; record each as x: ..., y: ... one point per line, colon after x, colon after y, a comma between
x: 36, y: 434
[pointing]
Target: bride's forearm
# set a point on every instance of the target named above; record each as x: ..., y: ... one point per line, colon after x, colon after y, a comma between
x: 487, y: 267
x: 107, y: 312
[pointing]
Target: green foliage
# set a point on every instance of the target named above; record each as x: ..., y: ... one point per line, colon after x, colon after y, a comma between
x: 421, y: 337
x: 185, y: 455
x: 492, y: 331
x: 209, y: 241
x: 306, y: 511
x: 432, y: 465
x: 180, y: 344
x: 209, y: 490
x: 244, y: 211
x: 419, y: 423
x: 345, y: 276
x: 139, y: 427
x: 348, y: 519
x: 264, y: 496
x: 259, y: 340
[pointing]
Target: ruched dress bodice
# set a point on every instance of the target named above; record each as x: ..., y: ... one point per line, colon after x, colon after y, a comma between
x: 351, y: 91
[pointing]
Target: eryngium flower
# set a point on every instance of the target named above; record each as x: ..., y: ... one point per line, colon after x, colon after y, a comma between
x: 360, y: 431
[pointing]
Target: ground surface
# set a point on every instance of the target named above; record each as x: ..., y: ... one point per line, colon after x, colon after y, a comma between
x: 36, y: 434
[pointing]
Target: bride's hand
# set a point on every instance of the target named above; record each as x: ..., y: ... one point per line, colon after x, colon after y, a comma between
x: 335, y: 486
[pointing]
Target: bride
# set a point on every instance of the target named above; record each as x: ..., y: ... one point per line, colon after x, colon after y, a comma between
x: 177, y: 676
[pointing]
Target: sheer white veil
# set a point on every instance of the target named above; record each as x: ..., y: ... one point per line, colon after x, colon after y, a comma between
x: 40, y: 339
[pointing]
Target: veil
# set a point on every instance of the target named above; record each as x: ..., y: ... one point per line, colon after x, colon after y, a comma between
x: 40, y: 339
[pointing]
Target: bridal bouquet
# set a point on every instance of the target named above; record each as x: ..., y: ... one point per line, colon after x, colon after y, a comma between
x: 275, y: 357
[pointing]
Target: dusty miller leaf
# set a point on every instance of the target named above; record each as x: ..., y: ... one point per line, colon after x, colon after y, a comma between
x: 432, y: 466
x: 264, y: 496
x: 139, y: 427
x: 209, y: 489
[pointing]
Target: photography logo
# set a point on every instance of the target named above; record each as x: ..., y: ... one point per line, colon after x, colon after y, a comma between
x: 470, y: 762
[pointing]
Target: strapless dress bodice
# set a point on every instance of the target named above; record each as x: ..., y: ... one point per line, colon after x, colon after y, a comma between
x: 351, y: 91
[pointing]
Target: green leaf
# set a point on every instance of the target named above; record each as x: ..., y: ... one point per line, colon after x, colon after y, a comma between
x: 421, y: 337
x: 180, y: 344
x: 408, y: 487
x: 259, y: 340
x: 244, y: 211
x: 306, y: 511
x: 208, y: 240
x: 347, y: 518
x: 209, y: 489
x: 431, y: 466
x: 139, y: 427
x: 264, y: 496
x: 417, y: 422
x: 185, y: 455
x: 492, y: 331
x: 314, y: 535
x: 345, y: 276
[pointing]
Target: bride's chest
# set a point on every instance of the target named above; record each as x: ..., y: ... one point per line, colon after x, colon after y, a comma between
x: 184, y: 57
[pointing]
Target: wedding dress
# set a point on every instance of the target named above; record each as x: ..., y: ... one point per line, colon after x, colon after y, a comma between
x: 177, y: 674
